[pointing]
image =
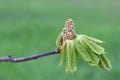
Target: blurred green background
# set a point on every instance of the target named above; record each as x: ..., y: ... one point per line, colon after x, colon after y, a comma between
x: 32, y: 26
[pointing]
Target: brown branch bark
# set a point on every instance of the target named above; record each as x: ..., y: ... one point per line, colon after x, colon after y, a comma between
x: 32, y: 57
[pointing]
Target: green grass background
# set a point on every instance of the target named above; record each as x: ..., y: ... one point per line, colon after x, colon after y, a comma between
x: 32, y: 26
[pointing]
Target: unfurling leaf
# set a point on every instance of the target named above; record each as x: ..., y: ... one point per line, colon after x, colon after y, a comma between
x: 73, y: 58
x: 68, y: 58
x: 104, y: 62
x: 63, y: 52
x: 69, y: 51
x: 93, y: 39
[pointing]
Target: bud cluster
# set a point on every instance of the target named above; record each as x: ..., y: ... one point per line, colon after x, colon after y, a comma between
x: 68, y: 30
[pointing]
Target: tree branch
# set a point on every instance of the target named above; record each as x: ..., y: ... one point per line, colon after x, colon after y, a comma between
x: 21, y: 59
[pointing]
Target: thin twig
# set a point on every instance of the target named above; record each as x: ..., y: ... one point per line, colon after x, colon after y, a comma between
x: 21, y: 59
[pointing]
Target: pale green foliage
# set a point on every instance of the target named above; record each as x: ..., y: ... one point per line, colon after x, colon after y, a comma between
x: 88, y: 48
x: 68, y: 50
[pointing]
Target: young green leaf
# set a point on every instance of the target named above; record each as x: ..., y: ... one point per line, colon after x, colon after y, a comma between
x: 107, y: 62
x: 83, y: 53
x: 94, y: 57
x: 92, y: 39
x: 94, y: 47
x: 80, y: 50
x: 73, y: 57
x: 63, y: 53
x: 101, y: 63
x: 94, y: 60
x: 68, y: 58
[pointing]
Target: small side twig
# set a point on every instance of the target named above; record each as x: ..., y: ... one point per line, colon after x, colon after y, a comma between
x: 21, y: 59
